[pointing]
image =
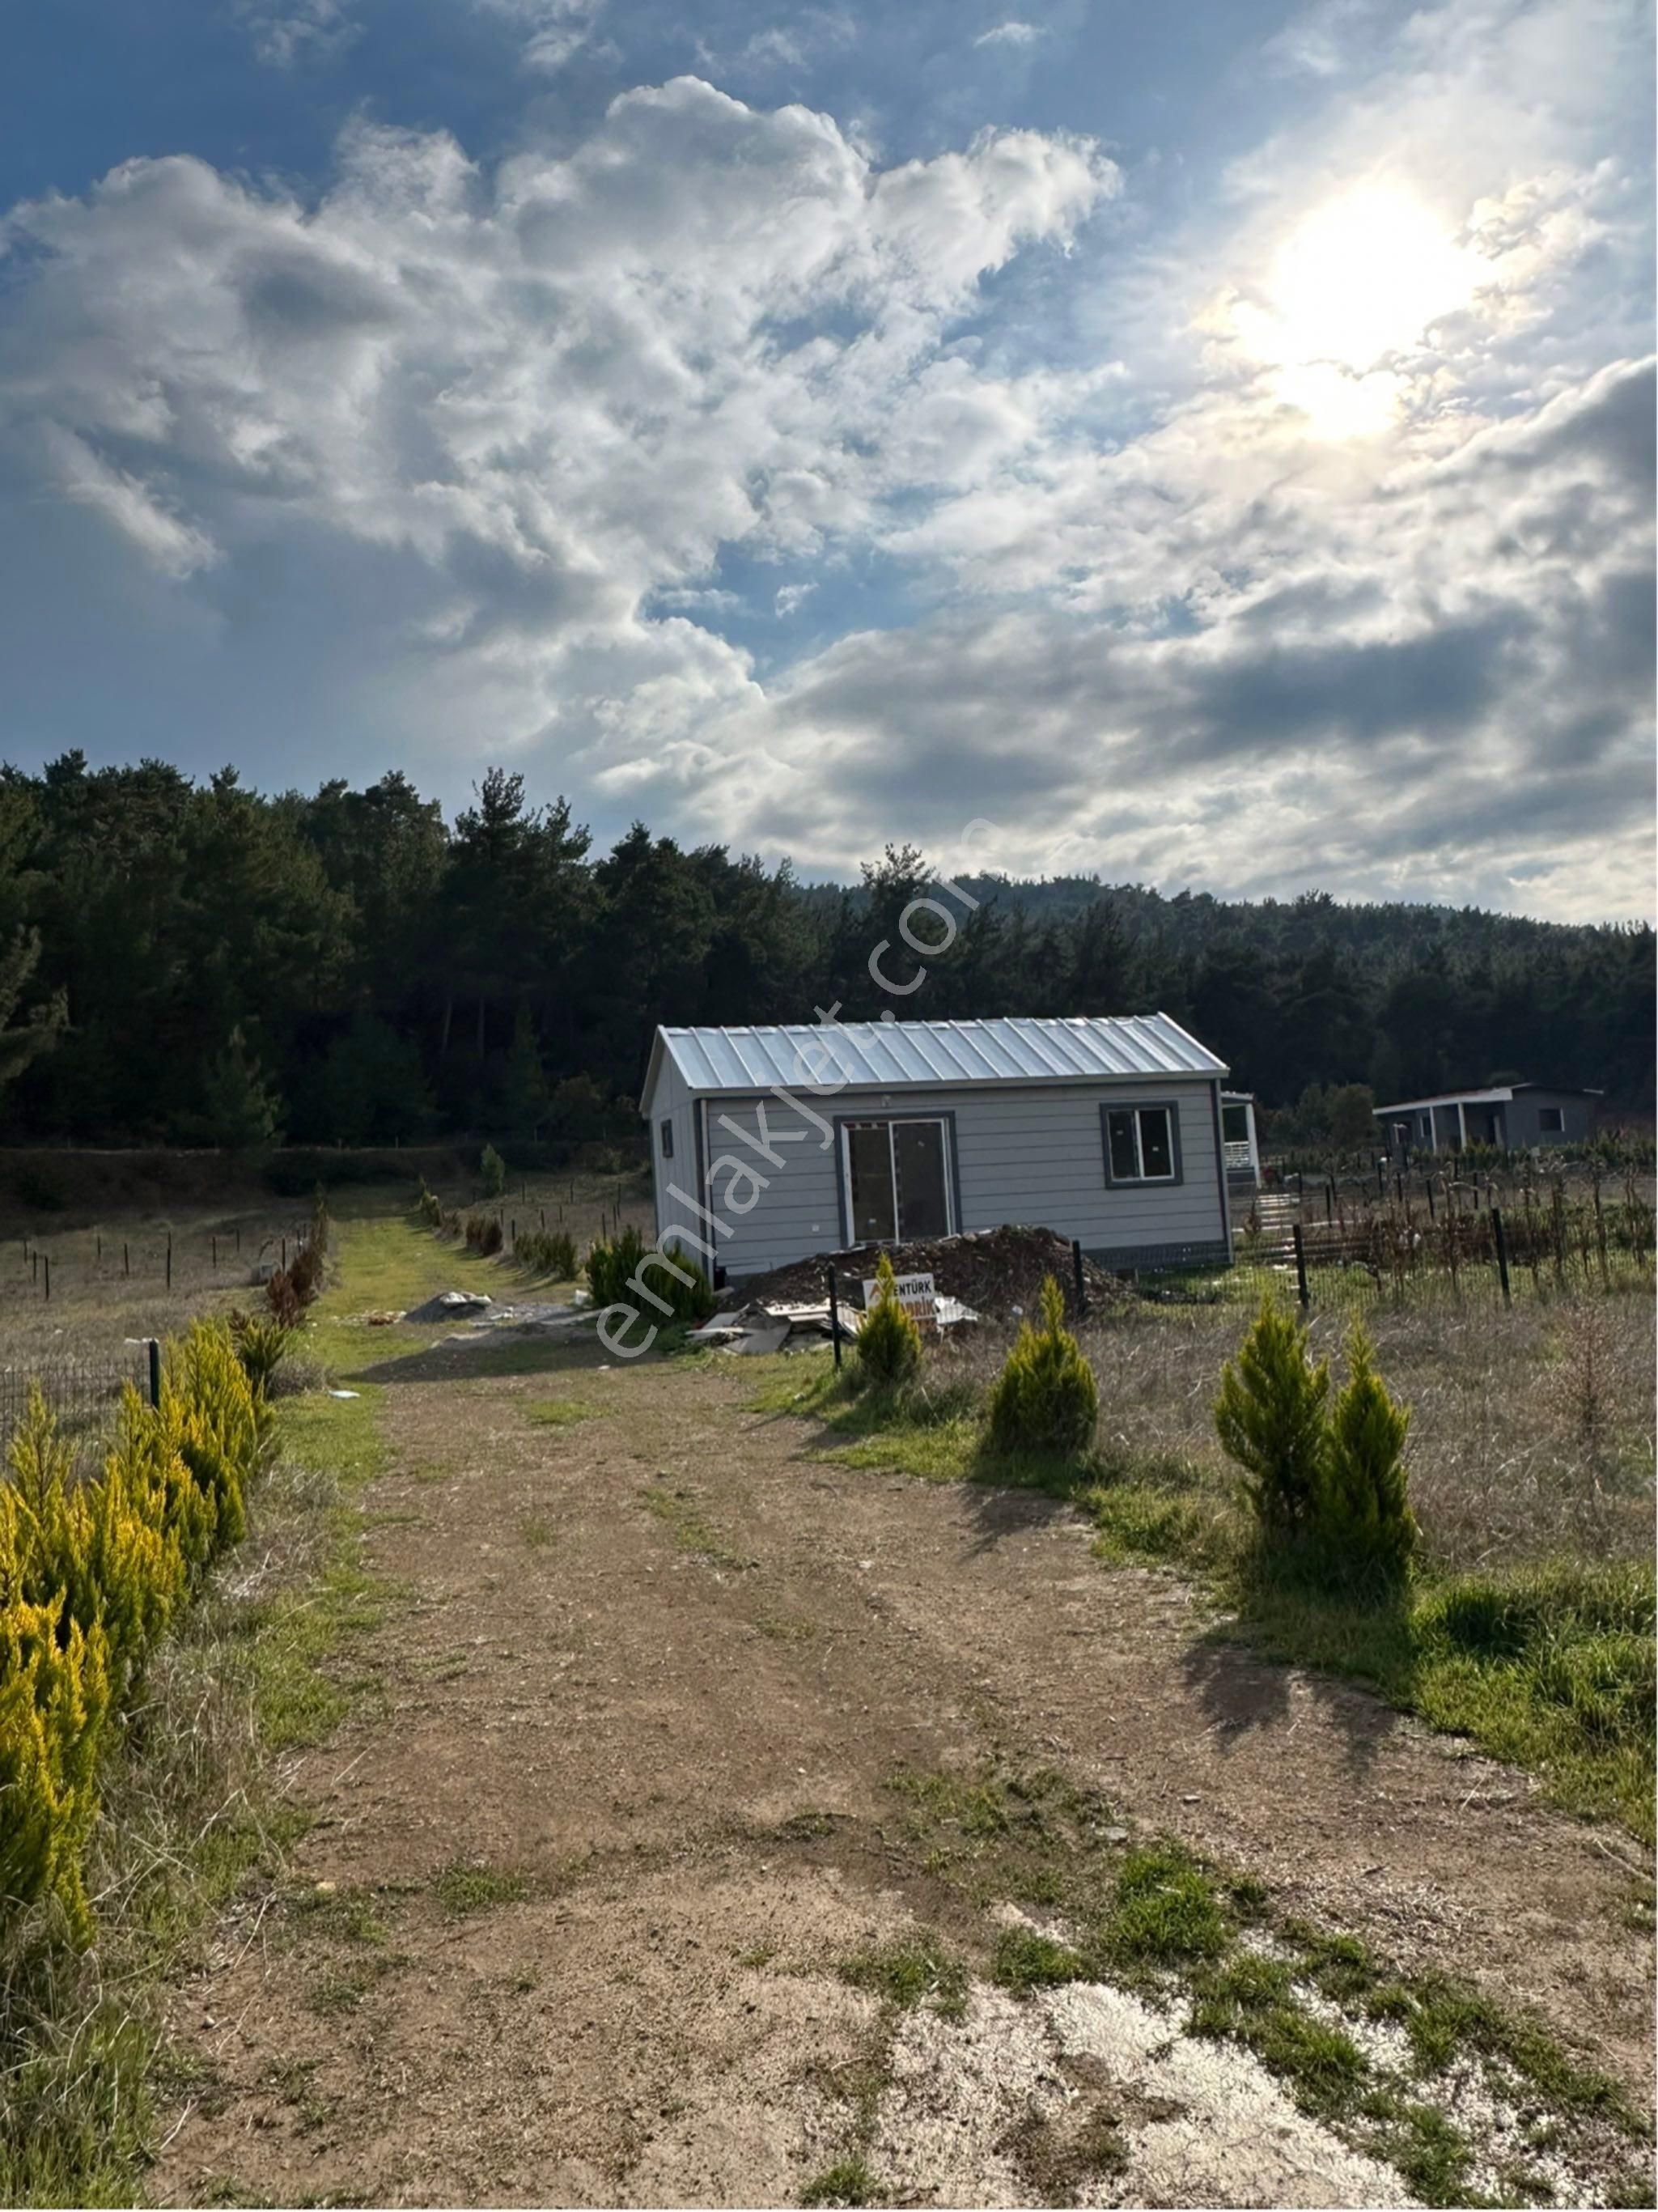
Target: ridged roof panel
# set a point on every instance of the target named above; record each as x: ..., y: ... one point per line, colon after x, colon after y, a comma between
x: 894, y: 1055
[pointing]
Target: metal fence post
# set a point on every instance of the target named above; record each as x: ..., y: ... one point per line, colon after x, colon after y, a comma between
x: 48, y: 1282
x: 1502, y: 1253
x: 835, y: 1319
x: 1077, y: 1272
x: 1301, y: 1265
x: 155, y: 1371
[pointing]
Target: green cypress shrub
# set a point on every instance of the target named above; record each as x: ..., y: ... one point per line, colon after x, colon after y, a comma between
x: 492, y: 1169
x: 1364, y: 1517
x: 1046, y: 1399
x: 429, y: 1206
x: 888, y: 1345
x: 610, y: 1263
x: 1270, y: 1416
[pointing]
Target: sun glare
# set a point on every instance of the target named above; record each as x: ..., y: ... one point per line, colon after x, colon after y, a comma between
x: 1359, y: 282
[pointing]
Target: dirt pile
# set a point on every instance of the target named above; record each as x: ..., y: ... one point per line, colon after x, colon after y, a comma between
x: 992, y: 1270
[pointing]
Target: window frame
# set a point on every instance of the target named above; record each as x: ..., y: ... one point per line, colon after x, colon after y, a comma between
x: 665, y: 1136
x: 945, y: 1119
x: 1555, y: 1128
x: 1168, y: 1107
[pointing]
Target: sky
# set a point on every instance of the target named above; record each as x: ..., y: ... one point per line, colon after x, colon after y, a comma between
x: 1208, y: 446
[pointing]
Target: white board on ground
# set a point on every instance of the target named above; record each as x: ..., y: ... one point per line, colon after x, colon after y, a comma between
x: 916, y: 1294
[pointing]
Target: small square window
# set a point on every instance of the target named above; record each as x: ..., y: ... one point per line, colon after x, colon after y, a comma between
x: 667, y: 1140
x: 1552, y: 1120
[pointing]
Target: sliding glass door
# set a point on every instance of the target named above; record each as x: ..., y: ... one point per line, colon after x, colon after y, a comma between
x: 897, y: 1180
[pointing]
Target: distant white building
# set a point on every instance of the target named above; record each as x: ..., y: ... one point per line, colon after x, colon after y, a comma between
x: 769, y: 1145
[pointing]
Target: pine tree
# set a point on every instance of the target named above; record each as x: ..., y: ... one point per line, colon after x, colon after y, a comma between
x: 240, y: 1109
x: 525, y: 1097
x: 22, y: 1041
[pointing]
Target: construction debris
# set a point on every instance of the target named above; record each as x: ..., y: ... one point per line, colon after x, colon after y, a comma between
x: 770, y: 1325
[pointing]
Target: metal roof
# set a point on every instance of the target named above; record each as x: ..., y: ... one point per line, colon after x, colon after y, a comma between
x: 1500, y: 1096
x: 891, y: 1055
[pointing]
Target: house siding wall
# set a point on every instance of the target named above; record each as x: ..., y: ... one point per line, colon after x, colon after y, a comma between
x: 1525, y: 1124
x: 671, y: 1101
x: 1027, y: 1153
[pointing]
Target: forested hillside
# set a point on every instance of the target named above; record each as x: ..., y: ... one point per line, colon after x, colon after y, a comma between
x: 200, y: 964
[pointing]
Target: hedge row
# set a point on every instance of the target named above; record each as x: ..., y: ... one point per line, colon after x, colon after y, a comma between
x: 91, y: 1573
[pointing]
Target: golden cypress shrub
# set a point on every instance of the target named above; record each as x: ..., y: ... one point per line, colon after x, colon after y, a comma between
x: 1046, y: 1399
x: 54, y: 1700
x: 888, y: 1345
x: 90, y: 1575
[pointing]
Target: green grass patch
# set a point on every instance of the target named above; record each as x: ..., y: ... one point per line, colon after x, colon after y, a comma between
x: 1026, y: 1960
x: 462, y: 1888
x: 1550, y: 1668
x: 559, y: 1413
x: 1166, y: 1911
x: 915, y: 1971
x: 678, y: 1511
x: 349, y: 1916
x: 848, y: 2181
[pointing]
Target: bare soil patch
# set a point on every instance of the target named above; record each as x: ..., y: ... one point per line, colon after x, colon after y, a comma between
x: 613, y: 1807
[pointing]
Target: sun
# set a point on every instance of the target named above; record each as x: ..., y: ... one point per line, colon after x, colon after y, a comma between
x: 1357, y: 285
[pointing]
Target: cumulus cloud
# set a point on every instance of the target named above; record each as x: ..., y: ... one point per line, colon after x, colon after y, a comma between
x: 1013, y: 33
x: 502, y: 462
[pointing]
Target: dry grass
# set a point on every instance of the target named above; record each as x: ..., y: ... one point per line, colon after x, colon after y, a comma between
x: 1528, y: 1623
x: 1506, y: 1464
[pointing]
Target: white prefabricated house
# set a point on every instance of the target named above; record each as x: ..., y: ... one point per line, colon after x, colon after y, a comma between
x: 770, y: 1145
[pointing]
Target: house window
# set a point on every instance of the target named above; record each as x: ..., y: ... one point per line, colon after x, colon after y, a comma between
x: 897, y: 1181
x: 667, y: 1139
x: 1552, y: 1120
x: 1141, y: 1145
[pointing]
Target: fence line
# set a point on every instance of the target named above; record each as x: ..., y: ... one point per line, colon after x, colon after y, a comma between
x: 84, y: 1392
x: 33, y: 1267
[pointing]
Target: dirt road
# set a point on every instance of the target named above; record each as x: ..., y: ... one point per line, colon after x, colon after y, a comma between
x: 615, y: 1806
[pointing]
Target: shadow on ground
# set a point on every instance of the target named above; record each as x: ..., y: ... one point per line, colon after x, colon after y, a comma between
x: 1239, y: 1693
x: 460, y: 1359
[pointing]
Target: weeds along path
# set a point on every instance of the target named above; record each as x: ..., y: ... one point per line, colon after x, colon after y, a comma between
x: 609, y: 1895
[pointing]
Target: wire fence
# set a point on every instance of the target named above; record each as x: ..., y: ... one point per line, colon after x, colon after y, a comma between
x: 1403, y: 1255
x: 182, y: 1263
x: 83, y: 1391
